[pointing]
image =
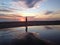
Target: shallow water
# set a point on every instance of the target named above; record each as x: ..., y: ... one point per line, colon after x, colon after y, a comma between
x: 51, y: 33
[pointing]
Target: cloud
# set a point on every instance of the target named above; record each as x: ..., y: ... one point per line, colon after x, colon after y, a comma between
x: 2, y: 14
x: 7, y: 19
x: 5, y: 10
x: 27, y: 3
x: 10, y: 15
x: 48, y: 12
x: 50, y: 16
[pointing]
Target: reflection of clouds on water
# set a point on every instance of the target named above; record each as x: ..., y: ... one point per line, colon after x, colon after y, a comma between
x: 48, y: 27
x: 53, y: 27
x: 14, y: 33
x: 9, y: 34
x: 47, y: 34
x: 57, y: 27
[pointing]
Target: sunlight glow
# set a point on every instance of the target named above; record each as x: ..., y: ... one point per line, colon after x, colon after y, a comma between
x: 26, y: 14
x: 22, y: 19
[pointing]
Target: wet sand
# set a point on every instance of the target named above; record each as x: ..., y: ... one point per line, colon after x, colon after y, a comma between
x: 28, y: 39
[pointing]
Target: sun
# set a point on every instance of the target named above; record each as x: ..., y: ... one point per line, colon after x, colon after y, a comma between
x: 22, y: 19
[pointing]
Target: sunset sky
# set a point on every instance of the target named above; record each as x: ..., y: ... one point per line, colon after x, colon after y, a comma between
x: 35, y: 10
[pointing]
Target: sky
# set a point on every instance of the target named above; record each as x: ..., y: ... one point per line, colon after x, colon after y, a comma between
x: 35, y: 10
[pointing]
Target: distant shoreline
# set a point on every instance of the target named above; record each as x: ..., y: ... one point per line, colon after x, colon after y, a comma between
x: 29, y: 23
